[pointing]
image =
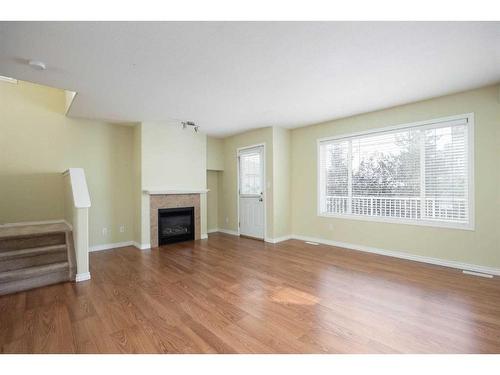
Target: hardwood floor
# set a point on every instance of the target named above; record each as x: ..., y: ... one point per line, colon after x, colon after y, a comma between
x: 236, y: 295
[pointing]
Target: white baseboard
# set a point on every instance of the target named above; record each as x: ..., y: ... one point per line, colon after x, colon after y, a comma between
x: 279, y: 239
x: 82, y: 276
x: 267, y: 239
x: 402, y: 255
x: 229, y: 231
x: 479, y: 274
x: 142, y: 246
x: 108, y: 246
x: 204, y: 236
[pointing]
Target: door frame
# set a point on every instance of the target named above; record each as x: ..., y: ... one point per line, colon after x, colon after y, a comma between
x: 264, y: 184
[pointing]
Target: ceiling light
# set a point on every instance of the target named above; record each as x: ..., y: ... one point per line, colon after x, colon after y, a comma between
x: 185, y: 124
x: 38, y: 65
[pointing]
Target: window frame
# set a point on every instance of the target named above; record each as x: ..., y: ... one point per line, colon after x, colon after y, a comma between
x: 419, y: 222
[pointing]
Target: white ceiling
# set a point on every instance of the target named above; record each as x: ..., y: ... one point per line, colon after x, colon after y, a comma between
x: 234, y: 76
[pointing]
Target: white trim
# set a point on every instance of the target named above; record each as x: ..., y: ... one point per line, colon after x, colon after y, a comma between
x: 471, y: 148
x: 82, y: 276
x: 204, y: 236
x: 431, y: 122
x: 264, y: 183
x: 80, y: 191
x: 319, y: 182
x: 109, y: 246
x: 488, y: 276
x: 143, y: 246
x: 69, y: 100
x: 8, y: 80
x: 229, y: 231
x: 279, y: 239
x: 402, y: 255
x: 446, y: 121
x: 312, y: 243
x: 213, y: 230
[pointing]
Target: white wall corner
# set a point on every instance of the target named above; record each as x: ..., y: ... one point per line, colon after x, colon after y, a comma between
x: 69, y: 97
x: 82, y: 276
x: 142, y: 246
x: 278, y: 239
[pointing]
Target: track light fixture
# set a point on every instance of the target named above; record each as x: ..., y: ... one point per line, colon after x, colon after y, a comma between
x: 185, y: 124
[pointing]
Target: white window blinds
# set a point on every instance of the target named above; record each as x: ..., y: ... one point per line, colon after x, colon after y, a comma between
x: 410, y: 174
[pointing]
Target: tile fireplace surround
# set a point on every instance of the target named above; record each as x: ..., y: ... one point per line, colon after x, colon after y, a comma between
x: 173, y: 200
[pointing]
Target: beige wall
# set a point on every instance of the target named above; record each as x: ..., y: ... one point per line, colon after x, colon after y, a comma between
x: 38, y: 142
x: 228, y: 215
x: 213, y: 200
x: 281, y: 182
x: 215, y: 154
x: 137, y: 182
x: 171, y: 158
x: 221, y: 215
x: 480, y: 247
x: 215, y: 166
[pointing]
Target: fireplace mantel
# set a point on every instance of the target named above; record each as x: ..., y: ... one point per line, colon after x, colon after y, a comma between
x: 170, y: 192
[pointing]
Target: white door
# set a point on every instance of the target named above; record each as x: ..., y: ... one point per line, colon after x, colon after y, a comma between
x: 251, y: 191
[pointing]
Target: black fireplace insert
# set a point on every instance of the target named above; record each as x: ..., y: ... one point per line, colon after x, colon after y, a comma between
x: 175, y: 225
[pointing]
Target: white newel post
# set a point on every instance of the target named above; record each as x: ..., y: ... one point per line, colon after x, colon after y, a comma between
x: 77, y: 206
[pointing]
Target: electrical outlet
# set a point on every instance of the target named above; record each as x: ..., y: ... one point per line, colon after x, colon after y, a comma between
x: 122, y: 228
x: 330, y: 226
x: 227, y: 220
x: 104, y: 231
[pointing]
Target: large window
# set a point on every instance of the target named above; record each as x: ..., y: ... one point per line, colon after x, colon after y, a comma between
x: 417, y: 173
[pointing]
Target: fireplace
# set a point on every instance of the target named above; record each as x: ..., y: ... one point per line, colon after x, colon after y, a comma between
x: 175, y: 225
x: 172, y: 200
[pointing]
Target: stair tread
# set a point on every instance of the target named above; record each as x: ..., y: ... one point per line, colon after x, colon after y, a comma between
x: 9, y: 230
x: 33, y: 271
x: 33, y: 251
x: 14, y: 286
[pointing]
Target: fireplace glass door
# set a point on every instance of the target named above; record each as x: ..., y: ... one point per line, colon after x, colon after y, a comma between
x: 175, y: 225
